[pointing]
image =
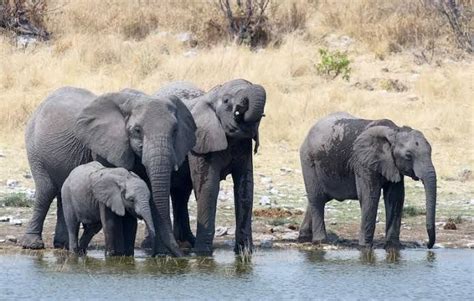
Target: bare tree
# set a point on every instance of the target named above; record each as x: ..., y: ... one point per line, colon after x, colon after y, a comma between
x: 246, y: 21
x: 24, y: 17
x: 459, y: 15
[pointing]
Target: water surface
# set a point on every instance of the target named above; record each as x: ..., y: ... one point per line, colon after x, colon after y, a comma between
x: 267, y: 275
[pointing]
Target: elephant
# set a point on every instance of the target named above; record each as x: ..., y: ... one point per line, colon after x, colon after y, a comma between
x: 108, y: 198
x: 345, y: 157
x: 227, y: 119
x: 72, y: 126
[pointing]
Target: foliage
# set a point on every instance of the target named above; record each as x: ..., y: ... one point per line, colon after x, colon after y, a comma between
x: 17, y: 199
x: 412, y: 211
x: 333, y: 64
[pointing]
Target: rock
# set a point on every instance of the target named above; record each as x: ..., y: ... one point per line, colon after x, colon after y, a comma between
x: 471, y: 202
x: 290, y: 235
x: 265, y: 201
x: 450, y: 225
x: 266, y: 180
x: 16, y: 222
x: 333, y: 223
x: 293, y: 227
x: 273, y: 191
x: 2, y: 155
x: 470, y: 245
x: 11, y: 238
x: 329, y: 247
x: 266, y: 242
x: 221, y: 231
x: 5, y: 219
x: 438, y: 246
x: 11, y: 183
x: 27, y: 175
x: 23, y: 41
x: 286, y: 170
x: 465, y: 174
x: 2, y: 240
x: 190, y: 53
x: 439, y: 224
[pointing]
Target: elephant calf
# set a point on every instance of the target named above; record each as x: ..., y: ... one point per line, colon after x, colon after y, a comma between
x: 344, y: 157
x: 111, y: 198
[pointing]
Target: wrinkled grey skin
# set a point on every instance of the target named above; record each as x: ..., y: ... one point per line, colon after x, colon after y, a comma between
x: 344, y: 157
x: 144, y: 134
x: 108, y: 198
x: 227, y: 119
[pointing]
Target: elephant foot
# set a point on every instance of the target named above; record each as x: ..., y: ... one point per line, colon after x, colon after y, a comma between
x: 243, y: 249
x: 204, y: 251
x: 305, y: 238
x: 60, y: 244
x: 80, y: 252
x: 393, y: 245
x: 32, y: 241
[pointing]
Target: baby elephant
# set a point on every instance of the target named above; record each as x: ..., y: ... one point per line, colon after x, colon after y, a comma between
x: 344, y: 157
x: 111, y: 198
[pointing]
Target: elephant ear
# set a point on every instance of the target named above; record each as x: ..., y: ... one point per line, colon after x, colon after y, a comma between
x: 210, y: 136
x: 107, y: 189
x: 101, y: 127
x: 373, y: 150
x: 186, y: 132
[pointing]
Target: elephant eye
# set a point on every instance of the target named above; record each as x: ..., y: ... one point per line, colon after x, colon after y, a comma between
x: 136, y: 130
x: 226, y: 100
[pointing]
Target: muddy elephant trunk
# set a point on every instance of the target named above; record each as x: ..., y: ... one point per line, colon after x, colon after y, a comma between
x: 145, y: 213
x: 257, y: 96
x: 427, y: 173
x: 158, y: 163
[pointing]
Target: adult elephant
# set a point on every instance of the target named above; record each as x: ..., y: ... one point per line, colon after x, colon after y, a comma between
x: 344, y: 157
x: 149, y: 135
x: 227, y: 119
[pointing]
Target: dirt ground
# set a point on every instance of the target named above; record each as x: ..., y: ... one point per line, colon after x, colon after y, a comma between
x: 279, y: 206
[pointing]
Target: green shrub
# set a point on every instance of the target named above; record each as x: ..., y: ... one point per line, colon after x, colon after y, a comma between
x: 16, y: 199
x: 333, y: 63
x: 413, y: 211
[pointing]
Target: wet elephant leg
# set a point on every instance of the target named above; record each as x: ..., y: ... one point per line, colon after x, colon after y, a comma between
x: 394, y: 197
x: 45, y: 193
x: 368, y: 192
x: 60, y: 233
x: 129, y: 224
x: 243, y: 199
x: 113, y: 232
x: 205, y: 174
x: 181, y: 225
x: 89, y: 231
x: 318, y: 226
x: 306, y: 228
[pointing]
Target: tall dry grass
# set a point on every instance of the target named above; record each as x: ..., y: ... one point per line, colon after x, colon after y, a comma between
x: 100, y: 50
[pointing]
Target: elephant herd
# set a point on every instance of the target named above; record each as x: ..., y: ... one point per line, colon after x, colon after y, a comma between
x: 110, y: 159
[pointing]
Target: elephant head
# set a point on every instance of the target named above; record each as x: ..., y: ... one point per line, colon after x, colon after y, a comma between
x: 121, y: 190
x: 395, y: 152
x: 129, y: 128
x: 232, y: 110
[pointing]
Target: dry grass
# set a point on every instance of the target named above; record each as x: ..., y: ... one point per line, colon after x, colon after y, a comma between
x: 106, y: 49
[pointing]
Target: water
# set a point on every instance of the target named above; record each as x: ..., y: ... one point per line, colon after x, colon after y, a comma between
x: 268, y: 275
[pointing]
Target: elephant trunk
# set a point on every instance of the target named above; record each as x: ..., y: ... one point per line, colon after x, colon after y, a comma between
x: 158, y: 162
x: 257, y: 96
x: 427, y: 174
x: 143, y: 209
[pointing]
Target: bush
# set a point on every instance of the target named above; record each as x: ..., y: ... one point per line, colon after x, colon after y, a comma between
x: 24, y: 17
x: 412, y: 211
x: 333, y: 64
x: 15, y: 200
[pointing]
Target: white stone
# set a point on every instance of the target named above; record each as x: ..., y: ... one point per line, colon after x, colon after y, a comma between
x: 266, y: 180
x: 11, y: 183
x: 470, y: 245
x: 274, y: 191
x: 4, y: 219
x: 221, y: 231
x: 265, y: 201
x: 290, y: 235
x: 16, y: 222
x: 2, y: 240
x: 10, y: 238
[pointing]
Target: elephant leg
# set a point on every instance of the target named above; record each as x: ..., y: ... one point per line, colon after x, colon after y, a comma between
x: 243, y: 200
x: 318, y: 227
x: 73, y: 232
x: 205, y: 175
x: 113, y: 233
x: 89, y: 231
x: 306, y: 228
x: 181, y: 225
x: 394, y: 197
x: 369, y: 195
x: 45, y: 193
x: 60, y: 233
x: 129, y: 234
x: 313, y: 227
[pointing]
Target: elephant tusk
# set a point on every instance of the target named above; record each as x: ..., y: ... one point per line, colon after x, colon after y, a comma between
x: 176, y: 167
x: 237, y: 113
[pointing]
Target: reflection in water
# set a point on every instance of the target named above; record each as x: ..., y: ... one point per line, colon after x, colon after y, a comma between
x: 275, y: 274
x: 393, y: 256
